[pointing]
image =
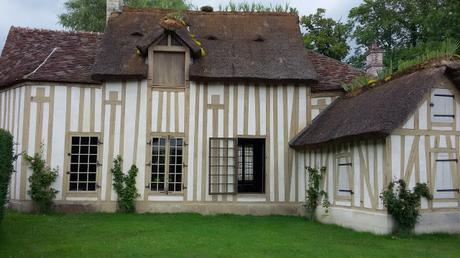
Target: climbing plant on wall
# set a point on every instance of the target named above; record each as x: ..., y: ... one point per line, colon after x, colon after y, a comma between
x: 314, y: 192
x: 403, y: 205
x: 125, y: 186
x: 41, y: 180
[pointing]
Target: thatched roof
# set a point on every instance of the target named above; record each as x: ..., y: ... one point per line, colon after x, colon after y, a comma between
x: 250, y: 46
x: 45, y: 55
x: 376, y: 111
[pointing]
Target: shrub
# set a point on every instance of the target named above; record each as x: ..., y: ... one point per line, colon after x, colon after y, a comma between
x: 125, y: 186
x: 314, y: 193
x: 41, y: 179
x: 6, y: 167
x: 403, y: 205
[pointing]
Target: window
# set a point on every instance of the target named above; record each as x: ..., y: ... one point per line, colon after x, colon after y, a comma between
x: 166, y: 167
x: 222, y: 165
x: 344, y: 188
x: 83, y: 163
x: 445, y: 185
x: 236, y: 165
x: 442, y: 106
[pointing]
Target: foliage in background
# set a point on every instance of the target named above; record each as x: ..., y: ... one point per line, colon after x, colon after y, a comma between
x: 403, y: 205
x: 125, y: 186
x: 256, y: 7
x: 325, y: 35
x: 89, y: 15
x: 446, y: 50
x: 6, y: 167
x: 314, y: 193
x: 400, y: 25
x: 41, y: 180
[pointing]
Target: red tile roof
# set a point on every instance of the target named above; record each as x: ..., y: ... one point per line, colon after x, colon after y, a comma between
x: 46, y: 55
x: 331, y: 72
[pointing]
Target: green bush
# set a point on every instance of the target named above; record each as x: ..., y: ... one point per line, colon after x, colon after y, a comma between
x: 314, y: 193
x: 6, y: 167
x: 40, y: 182
x: 125, y: 186
x: 403, y: 205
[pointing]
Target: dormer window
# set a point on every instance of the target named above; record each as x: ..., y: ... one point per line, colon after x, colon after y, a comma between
x: 442, y: 106
x: 168, y: 63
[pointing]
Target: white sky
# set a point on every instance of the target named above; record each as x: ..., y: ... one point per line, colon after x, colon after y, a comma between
x: 43, y: 13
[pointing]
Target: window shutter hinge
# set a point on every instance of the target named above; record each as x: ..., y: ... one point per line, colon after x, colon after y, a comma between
x: 68, y: 173
x: 147, y: 187
x: 184, y: 165
x: 431, y: 104
x: 98, y: 186
x: 99, y: 142
x: 149, y: 142
x: 98, y: 164
x: 148, y: 164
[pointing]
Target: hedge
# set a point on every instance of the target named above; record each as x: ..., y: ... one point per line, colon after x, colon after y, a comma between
x: 6, y: 167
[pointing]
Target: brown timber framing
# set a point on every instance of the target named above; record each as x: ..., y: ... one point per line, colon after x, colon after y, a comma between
x: 112, y: 102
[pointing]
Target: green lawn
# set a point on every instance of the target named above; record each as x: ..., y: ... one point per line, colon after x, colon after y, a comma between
x: 191, y: 235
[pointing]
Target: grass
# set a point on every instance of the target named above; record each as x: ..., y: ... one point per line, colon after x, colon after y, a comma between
x: 191, y: 235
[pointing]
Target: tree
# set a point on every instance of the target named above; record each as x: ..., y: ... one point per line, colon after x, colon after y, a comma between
x: 89, y: 15
x: 397, y: 25
x: 325, y: 35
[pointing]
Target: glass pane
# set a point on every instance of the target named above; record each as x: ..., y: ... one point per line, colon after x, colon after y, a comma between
x: 83, y: 163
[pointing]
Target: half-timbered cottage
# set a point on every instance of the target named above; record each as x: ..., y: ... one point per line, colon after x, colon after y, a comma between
x: 206, y: 106
x: 407, y: 128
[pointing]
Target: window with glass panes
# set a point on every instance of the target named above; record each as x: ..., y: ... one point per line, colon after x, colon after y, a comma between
x: 83, y: 163
x: 222, y: 165
x: 167, y: 164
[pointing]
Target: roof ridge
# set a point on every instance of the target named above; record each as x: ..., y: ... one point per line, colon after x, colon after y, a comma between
x: 28, y: 29
x: 160, y: 10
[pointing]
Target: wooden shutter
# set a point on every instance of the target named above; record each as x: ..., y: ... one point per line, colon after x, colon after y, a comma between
x: 344, y: 177
x: 444, y: 177
x: 442, y: 106
x: 169, y: 69
x: 223, y: 165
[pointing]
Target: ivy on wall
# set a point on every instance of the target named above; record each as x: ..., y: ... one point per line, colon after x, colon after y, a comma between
x: 41, y: 180
x: 314, y: 193
x: 125, y: 186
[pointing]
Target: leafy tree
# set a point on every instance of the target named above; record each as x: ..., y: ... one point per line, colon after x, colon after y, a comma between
x: 399, y: 24
x: 89, y: 15
x: 325, y: 35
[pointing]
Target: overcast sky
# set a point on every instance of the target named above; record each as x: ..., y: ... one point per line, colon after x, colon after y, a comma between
x: 43, y: 13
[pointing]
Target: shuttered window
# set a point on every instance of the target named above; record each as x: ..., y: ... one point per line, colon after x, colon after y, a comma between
x: 223, y: 165
x: 442, y: 106
x: 445, y: 185
x: 169, y: 69
x: 344, y: 177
